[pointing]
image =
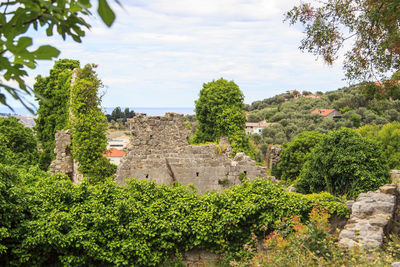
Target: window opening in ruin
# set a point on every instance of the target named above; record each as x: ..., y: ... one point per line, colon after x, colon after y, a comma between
x: 245, y: 172
x: 197, y: 174
x: 147, y: 176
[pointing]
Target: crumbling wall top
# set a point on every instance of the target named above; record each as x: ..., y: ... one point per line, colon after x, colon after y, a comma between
x: 167, y: 133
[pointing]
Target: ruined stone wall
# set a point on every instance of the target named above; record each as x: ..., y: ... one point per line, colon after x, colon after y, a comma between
x: 272, y: 156
x: 160, y: 151
x: 64, y: 163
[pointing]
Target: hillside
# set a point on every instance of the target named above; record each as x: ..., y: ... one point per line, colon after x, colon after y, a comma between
x: 293, y: 115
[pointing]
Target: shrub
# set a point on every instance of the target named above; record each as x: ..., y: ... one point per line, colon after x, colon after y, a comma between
x: 344, y: 163
x: 141, y: 224
x: 294, y: 154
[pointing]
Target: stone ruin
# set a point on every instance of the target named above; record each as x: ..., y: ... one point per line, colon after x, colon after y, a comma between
x: 374, y: 215
x: 160, y: 151
x: 64, y: 163
x: 272, y: 155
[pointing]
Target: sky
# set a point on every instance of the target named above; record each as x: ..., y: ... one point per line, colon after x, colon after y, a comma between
x: 159, y: 53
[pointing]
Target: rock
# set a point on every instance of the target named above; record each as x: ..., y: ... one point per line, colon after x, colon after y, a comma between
x: 396, y: 264
x: 389, y: 189
x: 371, y: 214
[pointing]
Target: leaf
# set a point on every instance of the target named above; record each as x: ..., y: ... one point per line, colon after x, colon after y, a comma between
x: 46, y: 52
x: 106, y: 13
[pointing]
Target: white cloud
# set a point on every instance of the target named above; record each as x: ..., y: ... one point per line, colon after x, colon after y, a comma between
x: 159, y: 53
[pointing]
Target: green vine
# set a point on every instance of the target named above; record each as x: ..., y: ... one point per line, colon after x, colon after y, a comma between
x: 88, y: 125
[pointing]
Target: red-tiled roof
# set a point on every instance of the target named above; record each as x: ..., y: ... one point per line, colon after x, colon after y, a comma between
x: 113, y: 152
x: 323, y: 112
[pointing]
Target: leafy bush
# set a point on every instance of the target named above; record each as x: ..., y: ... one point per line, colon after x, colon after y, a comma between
x: 344, y: 163
x: 141, y: 224
x: 294, y: 155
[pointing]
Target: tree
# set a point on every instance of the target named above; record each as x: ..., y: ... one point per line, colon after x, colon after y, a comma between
x: 88, y: 125
x: 372, y: 25
x: 17, y: 17
x: 220, y: 111
x: 294, y: 154
x: 53, y: 106
x: 344, y: 163
x: 18, y: 144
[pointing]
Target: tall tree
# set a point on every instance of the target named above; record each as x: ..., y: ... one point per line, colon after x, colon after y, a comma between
x: 371, y: 26
x: 220, y: 111
x: 88, y: 124
x: 53, y: 106
x: 18, y: 18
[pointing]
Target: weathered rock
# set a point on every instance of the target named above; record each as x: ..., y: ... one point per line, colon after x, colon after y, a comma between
x: 372, y: 213
x: 201, y: 258
x: 396, y: 264
x: 389, y: 189
x: 64, y: 163
x: 160, y: 151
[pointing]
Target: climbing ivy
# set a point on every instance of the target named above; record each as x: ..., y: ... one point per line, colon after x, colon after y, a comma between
x: 52, y: 93
x: 88, y: 125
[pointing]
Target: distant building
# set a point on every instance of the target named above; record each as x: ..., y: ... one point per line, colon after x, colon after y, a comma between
x: 295, y: 93
x: 328, y: 113
x: 119, y: 142
x: 114, y: 155
x: 256, y: 127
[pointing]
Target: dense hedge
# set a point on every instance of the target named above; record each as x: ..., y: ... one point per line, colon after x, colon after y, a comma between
x: 46, y: 220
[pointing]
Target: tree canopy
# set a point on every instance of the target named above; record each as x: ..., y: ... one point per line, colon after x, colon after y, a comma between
x: 220, y: 111
x: 17, y: 18
x: 294, y: 155
x: 18, y: 144
x: 372, y: 27
x: 53, y: 106
x: 344, y: 163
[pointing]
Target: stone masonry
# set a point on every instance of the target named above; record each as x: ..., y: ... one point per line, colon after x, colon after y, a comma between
x: 372, y: 216
x: 272, y: 156
x: 160, y: 151
x: 64, y: 163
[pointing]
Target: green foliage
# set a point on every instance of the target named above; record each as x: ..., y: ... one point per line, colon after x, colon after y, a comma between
x: 294, y: 155
x: 88, y: 125
x: 220, y: 111
x: 310, y: 244
x: 294, y: 116
x: 372, y: 26
x: 18, y: 143
x: 46, y: 220
x: 17, y: 18
x: 118, y: 114
x: 344, y: 163
x: 388, y: 136
x: 54, y: 92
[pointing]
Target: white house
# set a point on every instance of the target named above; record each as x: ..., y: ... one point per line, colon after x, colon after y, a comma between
x: 256, y: 127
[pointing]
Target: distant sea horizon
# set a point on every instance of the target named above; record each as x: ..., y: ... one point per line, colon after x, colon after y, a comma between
x: 149, y: 111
